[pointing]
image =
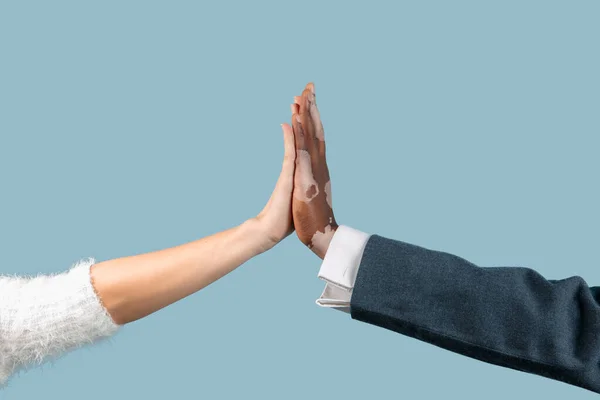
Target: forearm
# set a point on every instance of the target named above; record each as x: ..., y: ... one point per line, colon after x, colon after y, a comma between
x: 49, y: 315
x: 507, y: 316
x: 133, y: 287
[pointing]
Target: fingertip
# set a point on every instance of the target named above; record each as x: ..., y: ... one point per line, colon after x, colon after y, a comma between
x: 305, y: 100
x: 287, y: 129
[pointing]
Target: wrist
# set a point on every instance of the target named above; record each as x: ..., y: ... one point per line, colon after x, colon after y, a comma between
x: 320, y: 246
x: 258, y: 238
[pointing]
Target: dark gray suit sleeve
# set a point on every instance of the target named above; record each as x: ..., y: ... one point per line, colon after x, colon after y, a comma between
x: 511, y: 317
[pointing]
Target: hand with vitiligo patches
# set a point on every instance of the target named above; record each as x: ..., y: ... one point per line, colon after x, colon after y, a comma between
x: 312, y: 210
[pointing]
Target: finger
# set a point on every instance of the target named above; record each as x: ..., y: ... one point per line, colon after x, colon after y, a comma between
x: 289, y: 155
x: 299, y: 134
x: 311, y: 142
x: 319, y: 131
x: 297, y: 99
x: 305, y: 102
x: 311, y: 87
x: 306, y: 110
x: 282, y: 194
x: 314, y: 112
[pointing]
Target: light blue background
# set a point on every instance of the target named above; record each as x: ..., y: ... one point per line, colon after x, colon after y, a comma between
x: 125, y: 127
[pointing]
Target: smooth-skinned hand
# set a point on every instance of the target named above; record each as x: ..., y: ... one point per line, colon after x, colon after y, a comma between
x: 274, y: 222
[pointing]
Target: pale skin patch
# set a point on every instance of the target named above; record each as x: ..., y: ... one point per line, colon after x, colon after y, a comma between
x: 320, y: 240
x: 328, y: 194
x: 306, y: 185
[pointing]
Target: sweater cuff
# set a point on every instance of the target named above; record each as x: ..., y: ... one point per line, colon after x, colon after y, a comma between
x: 48, y: 315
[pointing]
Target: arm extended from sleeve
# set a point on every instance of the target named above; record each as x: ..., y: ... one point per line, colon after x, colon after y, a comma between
x: 46, y: 316
x: 512, y: 317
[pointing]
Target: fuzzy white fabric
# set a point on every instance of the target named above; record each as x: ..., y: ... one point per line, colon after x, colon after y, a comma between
x: 43, y: 317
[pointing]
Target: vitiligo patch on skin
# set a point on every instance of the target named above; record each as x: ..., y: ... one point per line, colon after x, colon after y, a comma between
x: 328, y: 194
x: 306, y: 185
x: 320, y: 240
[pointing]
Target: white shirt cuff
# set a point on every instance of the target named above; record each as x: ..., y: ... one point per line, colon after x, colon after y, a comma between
x: 340, y: 267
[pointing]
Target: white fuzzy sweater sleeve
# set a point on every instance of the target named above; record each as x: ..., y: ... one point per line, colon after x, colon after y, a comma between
x: 43, y: 317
